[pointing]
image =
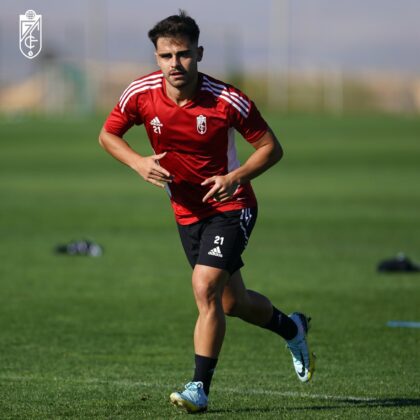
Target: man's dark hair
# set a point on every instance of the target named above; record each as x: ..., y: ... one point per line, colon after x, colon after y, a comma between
x: 174, y: 27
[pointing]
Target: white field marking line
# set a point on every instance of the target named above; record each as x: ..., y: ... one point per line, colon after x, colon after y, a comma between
x: 249, y: 391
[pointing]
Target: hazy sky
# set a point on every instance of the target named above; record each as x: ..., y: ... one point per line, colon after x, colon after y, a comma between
x: 345, y: 34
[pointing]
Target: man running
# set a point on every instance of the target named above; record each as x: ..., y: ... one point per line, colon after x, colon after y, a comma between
x: 190, y: 120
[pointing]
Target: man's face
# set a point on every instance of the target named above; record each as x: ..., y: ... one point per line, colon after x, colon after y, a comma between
x: 178, y: 59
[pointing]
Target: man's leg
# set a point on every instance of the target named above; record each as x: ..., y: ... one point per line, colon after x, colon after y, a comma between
x: 246, y: 304
x: 255, y: 308
x: 208, y: 284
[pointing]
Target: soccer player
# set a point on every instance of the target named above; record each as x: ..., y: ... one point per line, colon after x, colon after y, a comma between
x: 190, y: 120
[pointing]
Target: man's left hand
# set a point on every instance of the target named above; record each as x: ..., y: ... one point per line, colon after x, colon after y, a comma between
x: 222, y: 188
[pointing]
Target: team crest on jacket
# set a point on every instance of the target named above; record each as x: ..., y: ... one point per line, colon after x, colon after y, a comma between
x: 30, y: 34
x: 201, y: 124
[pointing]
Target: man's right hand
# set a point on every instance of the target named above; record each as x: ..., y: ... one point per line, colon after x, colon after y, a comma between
x: 146, y: 166
x: 149, y: 169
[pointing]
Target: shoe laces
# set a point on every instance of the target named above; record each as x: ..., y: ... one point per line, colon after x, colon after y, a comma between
x: 194, y: 386
x: 194, y: 391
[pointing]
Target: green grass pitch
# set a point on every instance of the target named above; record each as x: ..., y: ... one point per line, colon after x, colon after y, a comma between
x: 111, y: 337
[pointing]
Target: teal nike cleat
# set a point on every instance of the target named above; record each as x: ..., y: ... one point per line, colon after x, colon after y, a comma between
x: 303, y: 359
x: 193, y: 398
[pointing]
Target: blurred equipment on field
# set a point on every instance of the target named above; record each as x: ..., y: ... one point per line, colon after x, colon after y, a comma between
x: 83, y: 247
x: 399, y: 264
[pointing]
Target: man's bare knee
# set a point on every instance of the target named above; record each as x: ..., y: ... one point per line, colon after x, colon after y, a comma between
x: 207, y: 287
x: 204, y: 293
x: 230, y: 308
x: 235, y: 306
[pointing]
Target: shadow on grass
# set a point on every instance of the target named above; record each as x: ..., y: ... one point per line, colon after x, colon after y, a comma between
x: 342, y: 403
x: 377, y: 403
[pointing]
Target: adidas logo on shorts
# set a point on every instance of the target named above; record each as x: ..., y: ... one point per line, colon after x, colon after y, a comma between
x: 216, y: 252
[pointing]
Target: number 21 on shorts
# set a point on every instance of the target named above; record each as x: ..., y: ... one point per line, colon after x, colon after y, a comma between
x: 219, y: 240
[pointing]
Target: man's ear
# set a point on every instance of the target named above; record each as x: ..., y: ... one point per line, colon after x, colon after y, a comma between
x: 200, y: 51
x: 156, y: 57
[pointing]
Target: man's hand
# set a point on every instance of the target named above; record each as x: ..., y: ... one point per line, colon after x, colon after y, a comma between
x: 267, y: 152
x: 149, y: 169
x: 222, y: 190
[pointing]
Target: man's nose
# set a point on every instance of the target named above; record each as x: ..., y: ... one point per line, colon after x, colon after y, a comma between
x: 175, y: 61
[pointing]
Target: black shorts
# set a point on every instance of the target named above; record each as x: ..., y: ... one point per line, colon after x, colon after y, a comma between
x: 219, y: 240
